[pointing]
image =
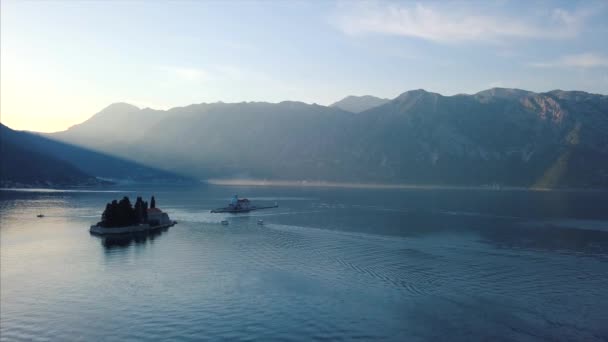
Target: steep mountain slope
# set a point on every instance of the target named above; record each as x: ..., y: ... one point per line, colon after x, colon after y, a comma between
x: 505, y: 136
x: 358, y: 104
x: 250, y: 140
x: 88, y: 162
x: 22, y: 167
x: 116, y: 124
x: 512, y: 140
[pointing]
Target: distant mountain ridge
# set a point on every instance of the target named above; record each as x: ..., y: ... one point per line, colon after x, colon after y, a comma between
x: 21, y: 167
x: 358, y: 104
x: 503, y: 136
x: 32, y: 160
x: 115, y: 122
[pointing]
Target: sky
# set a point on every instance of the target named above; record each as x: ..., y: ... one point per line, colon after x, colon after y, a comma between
x: 63, y: 61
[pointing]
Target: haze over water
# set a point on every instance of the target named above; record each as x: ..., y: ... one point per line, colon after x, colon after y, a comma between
x: 329, y: 264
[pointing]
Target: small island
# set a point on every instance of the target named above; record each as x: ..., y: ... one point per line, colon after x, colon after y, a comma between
x: 121, y: 217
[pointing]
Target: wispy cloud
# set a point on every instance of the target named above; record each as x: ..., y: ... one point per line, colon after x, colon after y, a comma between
x: 190, y: 74
x: 212, y: 73
x: 185, y: 74
x: 448, y: 23
x: 583, y: 60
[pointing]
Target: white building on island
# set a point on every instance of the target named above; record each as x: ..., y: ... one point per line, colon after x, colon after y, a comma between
x: 157, y: 217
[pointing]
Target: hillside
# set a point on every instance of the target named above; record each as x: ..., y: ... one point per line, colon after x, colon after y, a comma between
x: 506, y: 136
x: 358, y: 104
x: 38, y: 157
x: 118, y: 123
x: 24, y: 167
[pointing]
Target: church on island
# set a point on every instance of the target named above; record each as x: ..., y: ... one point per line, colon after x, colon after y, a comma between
x: 122, y: 217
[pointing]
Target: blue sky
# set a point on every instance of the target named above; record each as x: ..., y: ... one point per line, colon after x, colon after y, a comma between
x: 61, y: 62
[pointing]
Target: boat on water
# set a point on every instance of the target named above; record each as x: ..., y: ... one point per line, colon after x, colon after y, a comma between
x: 241, y: 205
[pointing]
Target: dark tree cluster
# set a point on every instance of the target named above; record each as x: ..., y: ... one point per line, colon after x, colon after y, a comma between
x: 122, y: 213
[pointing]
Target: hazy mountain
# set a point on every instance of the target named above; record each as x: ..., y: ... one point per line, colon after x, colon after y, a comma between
x: 37, y: 156
x: 24, y: 167
x: 358, y: 104
x: 506, y: 136
x: 510, y: 138
x: 116, y: 124
x: 20, y: 167
x: 503, y: 93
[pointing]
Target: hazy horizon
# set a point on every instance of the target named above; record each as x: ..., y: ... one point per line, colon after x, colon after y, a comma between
x: 62, y: 62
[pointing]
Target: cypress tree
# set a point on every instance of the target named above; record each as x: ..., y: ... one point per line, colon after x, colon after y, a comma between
x: 114, y: 214
x: 122, y: 213
x: 139, y: 213
x: 145, y: 211
x: 106, y: 217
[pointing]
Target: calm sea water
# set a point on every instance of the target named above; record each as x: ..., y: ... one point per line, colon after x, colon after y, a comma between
x: 329, y: 264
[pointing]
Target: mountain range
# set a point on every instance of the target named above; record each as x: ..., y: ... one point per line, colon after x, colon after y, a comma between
x: 28, y: 159
x: 510, y: 137
x: 358, y: 104
x: 22, y: 167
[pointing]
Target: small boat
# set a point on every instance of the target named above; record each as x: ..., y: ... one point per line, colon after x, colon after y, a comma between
x: 40, y: 215
x: 224, y: 223
x: 261, y: 222
x: 241, y: 205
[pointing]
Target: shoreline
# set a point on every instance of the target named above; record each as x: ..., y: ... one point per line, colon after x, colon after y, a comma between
x: 403, y: 186
x: 570, y: 223
x: 313, y: 184
x: 99, y: 230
